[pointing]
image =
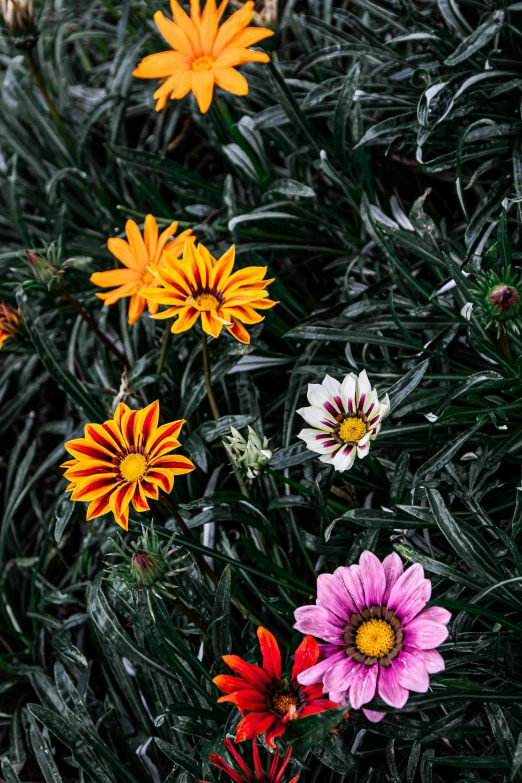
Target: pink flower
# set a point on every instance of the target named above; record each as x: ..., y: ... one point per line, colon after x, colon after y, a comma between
x: 380, y: 637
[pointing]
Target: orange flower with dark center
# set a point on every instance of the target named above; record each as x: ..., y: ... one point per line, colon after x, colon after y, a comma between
x: 10, y: 323
x: 198, y: 285
x: 271, y: 700
x: 204, y: 53
x: 126, y: 459
x: 137, y: 254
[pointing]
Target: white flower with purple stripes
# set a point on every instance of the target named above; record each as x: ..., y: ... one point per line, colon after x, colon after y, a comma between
x: 343, y: 418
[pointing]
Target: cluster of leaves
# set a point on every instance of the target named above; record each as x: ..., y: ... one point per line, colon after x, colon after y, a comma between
x: 376, y: 168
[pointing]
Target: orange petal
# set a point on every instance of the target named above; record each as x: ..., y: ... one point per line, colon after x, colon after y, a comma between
x: 115, y: 277
x: 203, y: 89
x: 137, y: 245
x: 136, y: 307
x: 231, y: 80
x: 250, y: 673
x: 238, y: 331
x: 175, y: 35
x: 120, y: 249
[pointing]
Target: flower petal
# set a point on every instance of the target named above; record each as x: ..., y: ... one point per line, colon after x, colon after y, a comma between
x: 270, y: 652
x: 389, y: 688
x: 306, y: 656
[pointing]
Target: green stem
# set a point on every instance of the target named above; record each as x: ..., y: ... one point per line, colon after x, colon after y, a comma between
x: 504, y: 343
x: 215, y: 410
x: 164, y: 346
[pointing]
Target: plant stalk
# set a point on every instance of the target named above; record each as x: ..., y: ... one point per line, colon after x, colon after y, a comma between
x: 164, y: 347
x: 93, y: 325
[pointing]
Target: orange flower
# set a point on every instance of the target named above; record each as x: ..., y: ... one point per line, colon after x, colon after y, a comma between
x: 122, y: 460
x: 10, y: 323
x: 204, y: 52
x: 199, y: 285
x: 136, y: 255
x: 270, y: 699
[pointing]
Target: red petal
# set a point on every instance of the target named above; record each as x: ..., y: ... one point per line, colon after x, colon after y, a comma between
x: 252, y: 674
x: 254, y: 724
x: 277, y: 729
x: 229, y: 684
x: 306, y: 655
x: 246, y: 700
x: 270, y: 653
x: 320, y: 705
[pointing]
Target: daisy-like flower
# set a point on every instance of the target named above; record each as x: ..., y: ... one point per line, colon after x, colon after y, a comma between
x: 126, y: 459
x: 198, y: 285
x: 136, y: 255
x: 274, y: 773
x: 380, y: 637
x: 204, y: 52
x: 270, y: 699
x: 10, y: 323
x: 343, y: 418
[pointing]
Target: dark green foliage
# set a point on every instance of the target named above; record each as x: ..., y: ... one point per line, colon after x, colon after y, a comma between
x: 376, y: 168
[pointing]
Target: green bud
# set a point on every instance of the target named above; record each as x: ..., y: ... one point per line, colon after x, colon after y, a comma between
x: 250, y: 455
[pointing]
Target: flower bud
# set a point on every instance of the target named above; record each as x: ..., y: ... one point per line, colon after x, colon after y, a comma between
x: 18, y: 18
x: 147, y: 568
x: 250, y: 455
x: 504, y: 302
x: 44, y: 271
x: 10, y: 323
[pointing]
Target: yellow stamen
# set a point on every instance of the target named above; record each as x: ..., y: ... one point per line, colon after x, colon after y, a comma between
x: 283, y: 702
x: 352, y: 430
x: 202, y: 64
x: 375, y: 638
x: 133, y: 467
x: 206, y: 302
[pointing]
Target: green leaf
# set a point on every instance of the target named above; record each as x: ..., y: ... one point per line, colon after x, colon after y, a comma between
x: 180, y: 758
x: 304, y: 733
x: 221, y: 638
x: 62, y: 514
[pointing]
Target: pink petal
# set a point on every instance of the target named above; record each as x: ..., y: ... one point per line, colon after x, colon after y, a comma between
x: 332, y: 594
x: 315, y: 674
x: 389, y: 688
x: 340, y: 697
x: 437, y: 614
x: 373, y: 716
x: 410, y: 593
x: 425, y: 634
x: 412, y: 672
x: 341, y: 675
x: 393, y: 569
x: 318, y: 621
x: 352, y: 584
x: 373, y: 578
x: 432, y: 659
x: 364, y: 684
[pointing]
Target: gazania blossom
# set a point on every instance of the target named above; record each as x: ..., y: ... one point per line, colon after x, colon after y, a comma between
x: 203, y: 53
x: 10, y: 323
x: 343, y: 418
x: 137, y: 254
x: 274, y: 773
x: 198, y: 285
x: 126, y: 459
x: 271, y: 700
x: 380, y: 637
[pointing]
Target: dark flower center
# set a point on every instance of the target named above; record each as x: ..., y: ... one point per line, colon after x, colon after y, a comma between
x: 373, y: 636
x: 285, y: 697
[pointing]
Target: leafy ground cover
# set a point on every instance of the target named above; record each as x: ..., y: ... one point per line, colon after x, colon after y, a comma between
x: 375, y: 169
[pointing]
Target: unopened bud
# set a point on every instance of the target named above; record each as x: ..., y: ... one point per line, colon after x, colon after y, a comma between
x: 43, y: 270
x: 19, y: 20
x: 504, y: 302
x: 250, y: 455
x: 147, y: 568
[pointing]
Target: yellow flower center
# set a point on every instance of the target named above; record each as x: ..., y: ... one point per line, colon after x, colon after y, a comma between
x: 202, y: 63
x: 133, y: 467
x: 352, y: 430
x: 375, y: 638
x: 283, y: 701
x: 206, y: 302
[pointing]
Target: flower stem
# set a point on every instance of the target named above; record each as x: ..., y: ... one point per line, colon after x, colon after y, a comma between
x: 504, y: 343
x: 164, y: 346
x: 215, y: 410
x: 93, y: 325
x: 208, y: 383
x: 49, y: 101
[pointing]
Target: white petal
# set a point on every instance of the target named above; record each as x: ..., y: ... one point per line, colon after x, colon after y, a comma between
x: 363, y: 388
x: 343, y: 461
x: 332, y: 387
x: 348, y: 389
x: 364, y: 439
x: 385, y: 406
x: 327, y: 458
x: 318, y: 418
x: 363, y: 451
x: 317, y: 444
x: 320, y: 398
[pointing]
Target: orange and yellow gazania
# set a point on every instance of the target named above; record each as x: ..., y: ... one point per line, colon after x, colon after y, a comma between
x: 10, y: 323
x: 126, y: 459
x: 136, y: 255
x: 204, y: 52
x: 198, y: 285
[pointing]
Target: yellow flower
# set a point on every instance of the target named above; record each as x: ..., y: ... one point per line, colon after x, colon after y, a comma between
x: 199, y: 285
x: 136, y: 255
x: 126, y: 459
x: 10, y: 323
x: 204, y: 52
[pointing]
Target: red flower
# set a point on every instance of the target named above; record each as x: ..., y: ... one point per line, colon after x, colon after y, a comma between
x: 274, y: 773
x: 271, y: 700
